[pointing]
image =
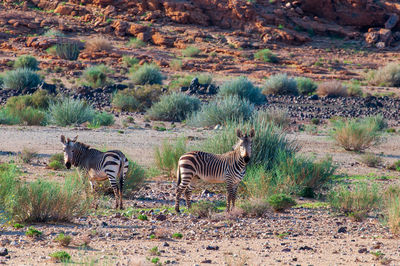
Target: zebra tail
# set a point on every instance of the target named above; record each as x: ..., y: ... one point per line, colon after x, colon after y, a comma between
x: 121, y: 173
x: 178, y: 175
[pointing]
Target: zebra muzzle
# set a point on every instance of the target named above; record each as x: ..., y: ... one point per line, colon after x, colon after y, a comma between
x: 246, y: 159
x: 68, y: 165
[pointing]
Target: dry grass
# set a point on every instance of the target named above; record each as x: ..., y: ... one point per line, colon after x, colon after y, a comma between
x: 393, y: 209
x: 332, y: 88
x: 27, y: 155
x: 371, y: 160
x: 98, y: 44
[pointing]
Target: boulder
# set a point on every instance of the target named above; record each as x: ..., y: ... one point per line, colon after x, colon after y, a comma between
x: 163, y: 40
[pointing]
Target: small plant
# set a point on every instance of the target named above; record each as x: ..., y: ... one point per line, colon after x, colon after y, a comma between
x: 266, y: 55
x: 20, y: 79
x: 203, y: 209
x: 67, y: 51
x: 154, y: 251
x: 388, y: 75
x: 53, y: 33
x: 98, y: 44
x: 155, y: 260
x: 395, y: 166
x: 392, y: 199
x: 56, y: 165
x: 27, y: 62
x: 96, y: 76
x: 280, y: 84
x: 281, y: 202
x: 136, y: 43
x: 103, y: 119
x: 191, y: 51
x: 354, y: 90
x: 69, y: 111
x: 167, y: 156
x: 305, y: 86
x: 18, y: 226
x: 174, y: 107
x: 63, y: 240
x: 177, y: 235
x: 332, y: 88
x: 377, y: 122
x: 56, y: 161
x: 255, y: 207
x: 244, y: 89
x: 315, y: 121
x: 176, y: 64
x: 279, y: 117
x: 371, y: 160
x: 124, y: 102
x: 391, y: 130
x: 142, y: 217
x: 27, y: 155
x: 33, y: 232
x: 147, y: 74
x: 60, y: 256
x: 130, y: 61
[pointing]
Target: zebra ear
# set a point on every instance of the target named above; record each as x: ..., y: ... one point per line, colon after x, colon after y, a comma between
x: 252, y: 133
x: 62, y: 139
x: 74, y: 140
x: 239, y: 133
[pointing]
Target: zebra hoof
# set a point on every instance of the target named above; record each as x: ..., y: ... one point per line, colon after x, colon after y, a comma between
x: 177, y: 211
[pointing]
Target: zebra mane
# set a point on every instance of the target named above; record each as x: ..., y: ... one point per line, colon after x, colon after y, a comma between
x: 81, y: 145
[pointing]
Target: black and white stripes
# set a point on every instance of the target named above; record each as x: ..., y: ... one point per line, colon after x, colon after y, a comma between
x: 228, y: 168
x: 99, y: 165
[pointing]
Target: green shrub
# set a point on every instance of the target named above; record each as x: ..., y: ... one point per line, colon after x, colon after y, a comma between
x: 139, y: 98
x: 191, y: 51
x: 53, y: 33
x: 305, y: 86
x: 67, y: 51
x: 130, y: 61
x: 176, y: 64
x: 57, y: 160
x: 21, y: 78
x: 122, y: 101
x: 142, y: 217
x: 63, y: 240
x: 357, y: 201
x: 174, y: 107
x: 354, y: 90
x: 203, y: 209
x: 332, y: 88
x: 96, y: 76
x: 388, y: 75
x: 278, y: 117
x: 315, y: 121
x: 60, y: 256
x: 280, y: 84
x: 70, y: 112
x: 27, y: 62
x: 222, y: 110
x: 27, y: 155
x: 135, y: 177
x: 177, y: 235
x: 103, y: 119
x: 281, y: 202
x: 147, y: 74
x: 355, y: 135
x: 136, y: 43
x: 266, y: 55
x: 254, y: 207
x: 18, y: 226
x: 6, y: 118
x: 205, y: 79
x: 33, y: 232
x: 371, y: 160
x: 243, y: 88
x: 154, y: 251
x: 56, y: 165
x: 167, y: 156
x: 377, y: 122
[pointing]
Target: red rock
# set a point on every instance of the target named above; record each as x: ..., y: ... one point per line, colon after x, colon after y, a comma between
x: 135, y: 29
x: 162, y: 40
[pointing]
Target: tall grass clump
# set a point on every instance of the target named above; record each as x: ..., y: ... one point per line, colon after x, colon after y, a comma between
x: 98, y: 44
x: 96, y: 76
x: 377, y: 122
x: 167, y: 155
x: 280, y: 84
x: 388, y: 75
x: 305, y: 86
x: 21, y: 78
x: 355, y: 135
x: 266, y: 55
x: 392, y: 202
x: 122, y: 101
x: 279, y: 117
x: 243, y: 88
x: 222, y: 110
x: 356, y: 201
x: 191, y: 51
x: 203, y: 209
x: 67, y: 51
x: 102, y: 119
x: 136, y: 43
x: 42, y: 200
x: 174, y: 107
x: 6, y: 118
x: 53, y: 33
x: 332, y: 88
x: 26, y: 61
x: 130, y: 61
x: 69, y: 111
x: 147, y: 74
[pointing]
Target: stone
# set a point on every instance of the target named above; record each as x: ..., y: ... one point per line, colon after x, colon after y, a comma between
x: 342, y: 229
x: 212, y: 248
x: 3, y: 252
x: 380, y: 45
x: 161, y: 39
x: 207, y: 261
x: 392, y: 21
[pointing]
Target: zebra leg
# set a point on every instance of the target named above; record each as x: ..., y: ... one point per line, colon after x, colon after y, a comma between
x: 182, y: 186
x: 188, y: 194
x: 235, y: 187
x: 229, y: 196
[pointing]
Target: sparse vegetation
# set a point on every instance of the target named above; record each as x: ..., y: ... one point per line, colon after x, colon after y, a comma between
x: 135, y: 177
x: 266, y: 55
x: 388, y: 75
x: 354, y: 90
x: 278, y: 117
x: 33, y: 232
x: 60, y: 256
x: 27, y: 155
x: 20, y: 79
x: 130, y: 61
x: 203, y: 209
x: 122, y: 101
x: 191, y: 51
x: 26, y: 62
x: 96, y: 76
x: 67, y: 51
x: 142, y: 217
x: 167, y: 156
x: 54, y: 33
x: 98, y: 44
x: 281, y: 202
x: 305, y: 86
x: 63, y: 240
x: 332, y: 88
x: 254, y: 207
x: 147, y: 74
x: 243, y: 88
x: 371, y: 160
x: 392, y: 199
x: 102, y: 119
x: 136, y: 43
x: 176, y: 64
x: 280, y: 84
x: 174, y: 107
x: 177, y: 235
x: 69, y: 111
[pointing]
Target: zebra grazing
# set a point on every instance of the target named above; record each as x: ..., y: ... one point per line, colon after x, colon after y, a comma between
x: 98, y: 165
x: 226, y: 168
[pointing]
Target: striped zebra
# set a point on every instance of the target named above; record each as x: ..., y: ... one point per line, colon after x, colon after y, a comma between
x: 98, y: 165
x: 228, y: 168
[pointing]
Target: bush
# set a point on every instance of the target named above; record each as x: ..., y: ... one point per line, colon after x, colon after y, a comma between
x: 377, y: 122
x: 177, y: 235
x: 39, y: 100
x: 393, y: 209
x: 176, y: 64
x: 371, y: 160
x: 98, y: 44
x: 280, y: 84
x: 103, y: 119
x: 146, y: 95
x: 96, y: 76
x: 124, y: 102
x: 130, y: 61
x: 222, y: 110
x: 305, y: 86
x: 332, y: 88
x: 63, y: 240
x: 67, y: 51
x: 203, y: 209
x: 191, y: 51
x: 174, y: 107
x: 244, y: 89
x: 27, y: 155
x: 136, y: 43
x: 205, y: 79
x: 167, y: 156
x: 266, y: 55
x: 134, y: 178
x: 254, y: 207
x: 27, y: 62
x: 147, y: 74
x: 357, y: 201
x: 388, y: 75
x: 59, y: 157
x: 33, y: 232
x: 53, y: 33
x: 56, y: 165
x: 6, y: 118
x: 281, y: 202
x: 355, y: 135
x: 395, y: 166
x: 142, y: 217
x: 70, y: 112
x: 278, y: 117
x: 60, y: 256
x: 21, y: 78
x: 354, y: 90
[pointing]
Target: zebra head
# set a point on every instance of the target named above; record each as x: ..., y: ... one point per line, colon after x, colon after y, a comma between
x: 244, y: 144
x: 70, y: 149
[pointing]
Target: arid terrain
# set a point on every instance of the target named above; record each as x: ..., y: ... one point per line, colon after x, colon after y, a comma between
x: 342, y: 41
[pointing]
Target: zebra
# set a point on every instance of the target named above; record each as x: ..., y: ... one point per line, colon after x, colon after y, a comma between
x: 228, y: 168
x: 98, y: 165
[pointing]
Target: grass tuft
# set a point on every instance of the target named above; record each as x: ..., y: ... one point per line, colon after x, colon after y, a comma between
x: 191, y: 51
x: 388, y: 75
x: 27, y: 62
x: 305, y: 86
x: 167, y: 156
x: 243, y: 88
x: 332, y: 88
x: 281, y: 202
x: 280, y: 84
x: 70, y: 112
x: 147, y: 74
x: 96, y: 76
x: 266, y: 55
x: 21, y: 78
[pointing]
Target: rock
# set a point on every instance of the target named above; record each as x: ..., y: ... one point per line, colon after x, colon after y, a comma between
x: 305, y: 248
x: 392, y: 21
x: 161, y: 217
x: 342, y: 229
x: 363, y: 250
x: 385, y: 36
x: 165, y: 244
x: 206, y: 261
x: 313, y: 97
x: 212, y: 248
x: 3, y: 252
x: 286, y: 250
x: 380, y: 45
x: 104, y: 224
x: 159, y: 38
